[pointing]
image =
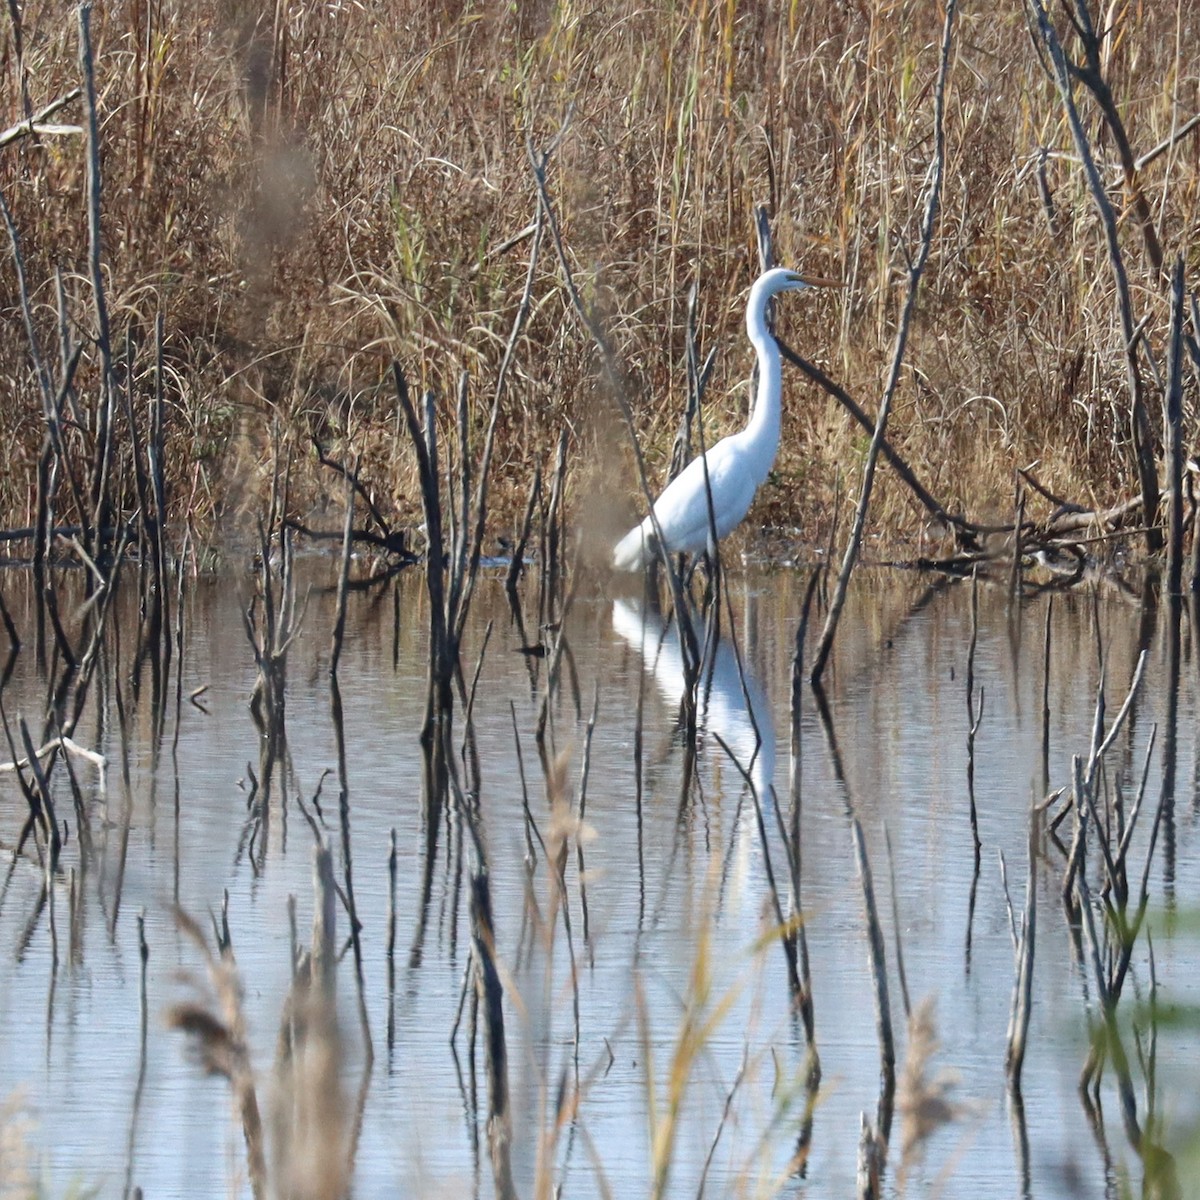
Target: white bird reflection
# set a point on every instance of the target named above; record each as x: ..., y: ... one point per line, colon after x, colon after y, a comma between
x: 722, y: 709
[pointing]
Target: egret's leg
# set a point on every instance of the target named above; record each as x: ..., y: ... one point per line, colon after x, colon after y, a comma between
x: 712, y: 579
x: 686, y: 576
x: 711, y: 608
x: 652, y: 599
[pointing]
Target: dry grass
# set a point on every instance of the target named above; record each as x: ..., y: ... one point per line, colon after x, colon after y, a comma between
x: 17, y: 1156
x: 308, y: 1115
x: 310, y: 190
x: 924, y: 1101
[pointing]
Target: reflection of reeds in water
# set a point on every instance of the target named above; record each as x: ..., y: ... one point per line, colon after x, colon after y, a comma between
x: 311, y: 1143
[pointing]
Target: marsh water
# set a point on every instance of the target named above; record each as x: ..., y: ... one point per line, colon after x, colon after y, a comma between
x: 672, y: 904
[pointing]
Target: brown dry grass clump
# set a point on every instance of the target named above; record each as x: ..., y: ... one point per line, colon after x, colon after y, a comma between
x: 924, y: 1101
x: 309, y: 190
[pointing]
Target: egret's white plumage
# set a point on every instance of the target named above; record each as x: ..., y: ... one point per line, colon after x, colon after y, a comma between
x: 737, y: 465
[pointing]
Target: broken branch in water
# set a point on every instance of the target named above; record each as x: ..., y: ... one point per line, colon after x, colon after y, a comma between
x: 1024, y: 941
x: 71, y: 747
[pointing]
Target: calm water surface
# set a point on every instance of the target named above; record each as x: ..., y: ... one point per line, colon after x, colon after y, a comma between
x: 670, y: 889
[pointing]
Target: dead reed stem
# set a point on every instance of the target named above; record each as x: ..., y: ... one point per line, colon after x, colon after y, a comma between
x: 878, y: 961
x: 336, y: 713
x: 490, y: 994
x: 516, y: 564
x: 143, y: 1027
x: 1174, y: 438
x: 896, y: 927
x: 1014, y: 574
x: 1091, y: 74
x: 795, y: 805
x: 391, y: 941
x: 873, y: 1141
x: 1023, y: 953
x: 1046, y: 641
x: 584, y: 771
x: 915, y: 270
x: 614, y: 379
x: 471, y: 565
x: 439, y: 697
x: 698, y: 376
x: 451, y: 569
x: 101, y: 500
x: 42, y: 821
x: 973, y: 718
x: 783, y: 922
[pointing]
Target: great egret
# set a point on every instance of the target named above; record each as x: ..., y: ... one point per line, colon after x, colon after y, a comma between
x: 737, y: 465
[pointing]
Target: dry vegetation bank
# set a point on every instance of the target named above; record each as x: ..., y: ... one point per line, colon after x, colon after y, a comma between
x: 306, y: 191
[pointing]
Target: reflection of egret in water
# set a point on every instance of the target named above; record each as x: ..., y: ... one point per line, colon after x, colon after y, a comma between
x: 725, y: 709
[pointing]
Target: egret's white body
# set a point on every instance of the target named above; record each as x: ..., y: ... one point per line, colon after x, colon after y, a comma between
x: 737, y: 465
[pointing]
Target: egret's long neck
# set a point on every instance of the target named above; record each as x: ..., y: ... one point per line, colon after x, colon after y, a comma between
x: 763, y: 430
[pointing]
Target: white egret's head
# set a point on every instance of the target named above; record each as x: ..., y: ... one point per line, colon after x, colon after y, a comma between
x: 782, y: 279
x: 771, y: 283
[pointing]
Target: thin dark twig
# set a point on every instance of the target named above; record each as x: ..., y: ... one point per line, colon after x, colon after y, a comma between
x: 928, y: 223
x: 887, y: 841
x: 613, y: 376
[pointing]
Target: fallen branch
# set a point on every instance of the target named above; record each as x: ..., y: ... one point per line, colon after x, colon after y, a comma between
x: 62, y: 743
x: 967, y: 530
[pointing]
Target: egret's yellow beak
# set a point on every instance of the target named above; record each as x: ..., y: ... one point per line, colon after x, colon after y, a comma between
x: 818, y: 281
